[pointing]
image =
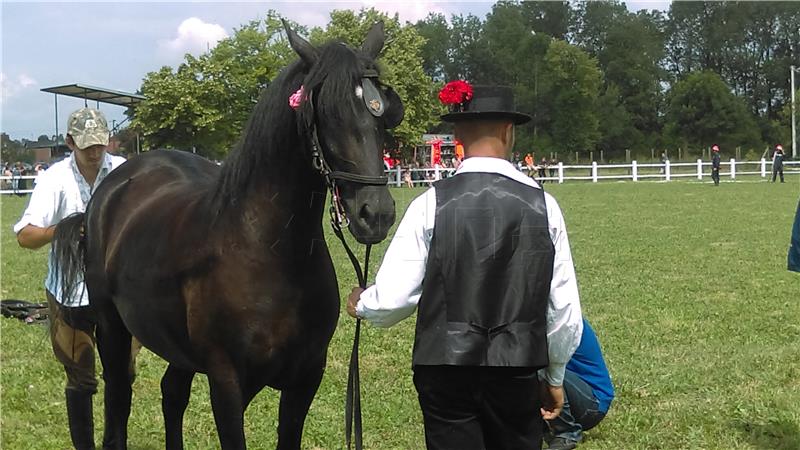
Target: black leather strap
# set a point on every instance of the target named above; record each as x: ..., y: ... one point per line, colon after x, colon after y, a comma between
x: 352, y: 405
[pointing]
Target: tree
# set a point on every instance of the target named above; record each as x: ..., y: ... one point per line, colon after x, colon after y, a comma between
x: 204, y: 104
x: 575, y: 81
x: 629, y: 49
x: 703, y: 111
x: 401, y: 66
x: 435, y: 52
x: 12, y: 150
x: 550, y: 17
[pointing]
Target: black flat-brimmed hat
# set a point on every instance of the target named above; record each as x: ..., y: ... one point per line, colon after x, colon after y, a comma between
x: 480, y: 102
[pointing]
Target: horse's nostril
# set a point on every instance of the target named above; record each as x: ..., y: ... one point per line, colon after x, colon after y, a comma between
x: 366, y: 212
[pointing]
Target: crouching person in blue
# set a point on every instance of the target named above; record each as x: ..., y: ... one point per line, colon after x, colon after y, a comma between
x: 588, y: 393
x: 794, y: 249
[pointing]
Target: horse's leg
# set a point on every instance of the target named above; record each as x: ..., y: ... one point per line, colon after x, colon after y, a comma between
x: 176, y: 386
x: 295, y: 402
x: 114, y: 345
x: 228, y: 405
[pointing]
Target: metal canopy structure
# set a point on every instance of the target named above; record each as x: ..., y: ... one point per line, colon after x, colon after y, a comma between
x: 86, y: 92
x: 126, y: 99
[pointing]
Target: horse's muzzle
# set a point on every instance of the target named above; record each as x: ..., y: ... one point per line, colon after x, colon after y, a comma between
x: 371, y: 211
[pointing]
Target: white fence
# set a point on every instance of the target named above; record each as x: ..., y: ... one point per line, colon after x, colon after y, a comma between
x: 634, y: 171
x: 593, y: 172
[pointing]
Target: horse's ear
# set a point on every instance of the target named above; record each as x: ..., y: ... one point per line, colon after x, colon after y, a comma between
x: 307, y: 52
x: 374, y: 42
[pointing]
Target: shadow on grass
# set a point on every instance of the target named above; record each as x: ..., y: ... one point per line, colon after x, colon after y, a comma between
x: 775, y: 434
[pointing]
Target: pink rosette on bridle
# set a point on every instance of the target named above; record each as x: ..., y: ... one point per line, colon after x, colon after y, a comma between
x: 297, y: 98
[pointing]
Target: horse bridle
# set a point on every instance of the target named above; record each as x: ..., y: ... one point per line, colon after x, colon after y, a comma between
x: 338, y: 215
x: 338, y: 220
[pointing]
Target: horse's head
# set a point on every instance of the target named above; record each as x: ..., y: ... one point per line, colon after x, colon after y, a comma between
x: 346, y: 110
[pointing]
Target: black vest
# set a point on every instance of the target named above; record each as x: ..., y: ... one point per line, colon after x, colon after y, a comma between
x: 487, y: 279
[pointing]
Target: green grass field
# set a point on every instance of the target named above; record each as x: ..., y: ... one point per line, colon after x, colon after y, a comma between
x: 685, y: 284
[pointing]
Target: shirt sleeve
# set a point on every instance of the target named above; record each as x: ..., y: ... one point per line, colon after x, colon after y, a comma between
x: 398, y: 283
x: 564, y: 319
x: 43, y: 206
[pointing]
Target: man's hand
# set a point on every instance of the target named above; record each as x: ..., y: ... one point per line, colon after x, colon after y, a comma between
x: 552, y: 400
x: 352, y: 301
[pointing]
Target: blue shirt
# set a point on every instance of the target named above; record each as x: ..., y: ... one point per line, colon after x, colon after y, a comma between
x: 794, y: 250
x: 587, y: 362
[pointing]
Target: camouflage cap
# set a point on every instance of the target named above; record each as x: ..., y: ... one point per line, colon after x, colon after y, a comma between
x: 88, y: 127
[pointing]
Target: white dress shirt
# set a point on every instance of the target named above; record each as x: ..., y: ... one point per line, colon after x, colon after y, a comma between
x: 60, y: 191
x: 398, y: 283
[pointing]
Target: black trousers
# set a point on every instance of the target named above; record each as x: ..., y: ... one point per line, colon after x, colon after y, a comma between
x: 776, y: 171
x: 715, y: 175
x: 479, y: 408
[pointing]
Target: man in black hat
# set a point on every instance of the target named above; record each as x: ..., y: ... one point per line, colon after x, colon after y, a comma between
x: 715, y: 164
x: 485, y: 257
x: 777, y: 162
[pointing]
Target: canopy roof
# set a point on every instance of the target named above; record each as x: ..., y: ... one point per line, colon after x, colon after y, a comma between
x: 111, y: 96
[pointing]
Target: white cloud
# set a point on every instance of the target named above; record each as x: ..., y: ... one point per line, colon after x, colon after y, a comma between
x: 193, y: 36
x: 10, y: 87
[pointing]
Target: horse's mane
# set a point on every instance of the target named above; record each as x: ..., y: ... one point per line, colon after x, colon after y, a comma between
x: 273, y: 139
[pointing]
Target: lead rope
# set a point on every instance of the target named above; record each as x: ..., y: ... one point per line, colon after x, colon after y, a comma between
x: 352, y: 405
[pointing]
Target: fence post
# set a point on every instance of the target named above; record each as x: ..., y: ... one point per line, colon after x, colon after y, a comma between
x: 634, y: 170
x: 397, y: 177
x: 699, y: 169
x: 733, y: 169
x: 560, y: 172
x: 594, y: 171
x: 667, y: 170
x: 763, y: 168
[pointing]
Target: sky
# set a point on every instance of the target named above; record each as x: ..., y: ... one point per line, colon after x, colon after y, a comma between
x: 114, y: 45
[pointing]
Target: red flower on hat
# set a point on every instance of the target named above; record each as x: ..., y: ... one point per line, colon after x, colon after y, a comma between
x: 455, y: 93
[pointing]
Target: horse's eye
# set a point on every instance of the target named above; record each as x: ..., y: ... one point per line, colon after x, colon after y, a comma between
x: 359, y: 92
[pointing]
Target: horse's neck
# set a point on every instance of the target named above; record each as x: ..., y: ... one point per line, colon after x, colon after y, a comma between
x: 284, y: 207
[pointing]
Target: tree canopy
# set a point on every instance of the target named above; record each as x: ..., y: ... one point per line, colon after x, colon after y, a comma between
x: 594, y: 75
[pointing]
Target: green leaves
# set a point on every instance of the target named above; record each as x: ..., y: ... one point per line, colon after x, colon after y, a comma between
x: 203, y: 105
x: 401, y: 67
x: 702, y: 110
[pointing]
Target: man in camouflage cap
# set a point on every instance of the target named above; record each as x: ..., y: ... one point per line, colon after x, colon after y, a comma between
x: 65, y: 188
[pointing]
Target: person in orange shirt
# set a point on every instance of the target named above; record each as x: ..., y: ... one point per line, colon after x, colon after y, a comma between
x: 529, y: 164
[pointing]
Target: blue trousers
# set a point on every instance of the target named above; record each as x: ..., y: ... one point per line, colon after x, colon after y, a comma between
x: 580, y: 411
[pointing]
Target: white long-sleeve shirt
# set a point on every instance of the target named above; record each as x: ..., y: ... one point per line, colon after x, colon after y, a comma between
x: 398, y: 283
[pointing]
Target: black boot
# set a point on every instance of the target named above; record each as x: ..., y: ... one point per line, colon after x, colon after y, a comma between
x: 81, y: 421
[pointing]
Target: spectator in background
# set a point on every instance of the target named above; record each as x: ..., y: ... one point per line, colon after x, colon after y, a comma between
x: 16, y: 172
x: 588, y: 393
x: 407, y: 177
x: 543, y: 169
x: 529, y: 165
x: 7, y: 173
x: 553, y: 166
x: 777, y: 162
x: 715, y: 164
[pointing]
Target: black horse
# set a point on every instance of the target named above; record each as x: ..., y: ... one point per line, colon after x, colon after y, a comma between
x: 225, y: 271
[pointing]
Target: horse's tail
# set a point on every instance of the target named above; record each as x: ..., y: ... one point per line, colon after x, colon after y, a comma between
x: 68, y: 252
